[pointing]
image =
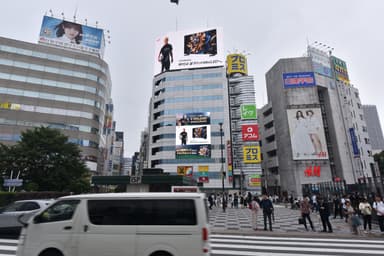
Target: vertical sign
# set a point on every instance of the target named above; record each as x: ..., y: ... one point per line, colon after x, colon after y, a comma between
x: 250, y: 132
x: 251, y: 154
x: 340, y: 69
x: 203, y: 173
x: 229, y: 159
x: 237, y: 63
x: 248, y: 111
x: 355, y: 148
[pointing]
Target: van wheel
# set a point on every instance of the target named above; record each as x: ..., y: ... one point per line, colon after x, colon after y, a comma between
x: 161, y: 253
x: 51, y: 252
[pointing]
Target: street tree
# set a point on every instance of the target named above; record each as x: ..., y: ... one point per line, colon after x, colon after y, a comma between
x: 47, y: 161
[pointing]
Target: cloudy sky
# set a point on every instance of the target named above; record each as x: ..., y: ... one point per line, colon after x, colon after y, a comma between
x: 267, y: 30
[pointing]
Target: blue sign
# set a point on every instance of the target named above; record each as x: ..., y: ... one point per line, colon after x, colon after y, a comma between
x: 355, y: 148
x: 13, y: 182
x: 73, y: 35
x: 302, y: 79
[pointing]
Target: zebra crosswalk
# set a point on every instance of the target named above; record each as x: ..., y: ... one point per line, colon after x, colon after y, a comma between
x: 224, y: 245
x: 292, y: 246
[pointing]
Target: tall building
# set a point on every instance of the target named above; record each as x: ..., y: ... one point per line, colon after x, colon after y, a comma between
x: 245, y: 149
x: 60, y: 85
x: 118, y: 153
x: 374, y: 128
x: 312, y: 127
x: 189, y: 119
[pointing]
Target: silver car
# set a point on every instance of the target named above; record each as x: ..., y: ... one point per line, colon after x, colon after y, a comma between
x: 9, y: 224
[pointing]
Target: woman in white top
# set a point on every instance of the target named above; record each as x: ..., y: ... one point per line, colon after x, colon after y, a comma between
x: 366, y: 210
x: 69, y: 32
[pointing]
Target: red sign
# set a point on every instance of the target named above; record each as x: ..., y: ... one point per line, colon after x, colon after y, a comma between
x: 250, y: 132
x: 312, y: 171
x: 203, y: 179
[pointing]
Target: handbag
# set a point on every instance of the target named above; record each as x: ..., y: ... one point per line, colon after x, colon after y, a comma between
x: 301, y: 220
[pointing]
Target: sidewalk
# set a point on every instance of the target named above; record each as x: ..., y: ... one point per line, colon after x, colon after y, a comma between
x: 238, y: 221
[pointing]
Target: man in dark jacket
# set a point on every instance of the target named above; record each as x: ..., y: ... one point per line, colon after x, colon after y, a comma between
x: 267, y: 207
x: 324, y: 215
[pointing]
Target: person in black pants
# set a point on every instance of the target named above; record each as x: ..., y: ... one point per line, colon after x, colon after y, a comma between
x: 324, y: 215
x: 338, y: 209
x: 267, y: 207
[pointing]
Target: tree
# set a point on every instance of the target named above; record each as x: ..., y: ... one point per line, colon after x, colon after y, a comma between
x: 379, y: 159
x: 47, y: 161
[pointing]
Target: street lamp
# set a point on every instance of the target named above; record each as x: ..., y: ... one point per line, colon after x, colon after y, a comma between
x: 222, y: 164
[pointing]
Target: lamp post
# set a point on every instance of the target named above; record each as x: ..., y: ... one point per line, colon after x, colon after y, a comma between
x: 222, y: 164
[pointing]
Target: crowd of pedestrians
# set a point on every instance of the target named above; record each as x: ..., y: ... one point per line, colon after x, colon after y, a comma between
x: 357, y: 211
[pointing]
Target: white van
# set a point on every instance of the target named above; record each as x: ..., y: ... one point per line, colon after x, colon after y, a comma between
x: 119, y: 224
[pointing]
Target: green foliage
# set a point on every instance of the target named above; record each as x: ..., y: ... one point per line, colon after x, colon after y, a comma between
x: 379, y: 158
x: 46, y: 161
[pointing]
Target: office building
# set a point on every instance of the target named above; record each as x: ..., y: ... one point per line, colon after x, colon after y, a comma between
x: 246, y: 158
x: 58, y: 85
x: 312, y: 127
x: 374, y: 128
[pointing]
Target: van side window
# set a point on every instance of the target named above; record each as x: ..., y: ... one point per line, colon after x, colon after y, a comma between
x: 142, y: 212
x: 60, y: 211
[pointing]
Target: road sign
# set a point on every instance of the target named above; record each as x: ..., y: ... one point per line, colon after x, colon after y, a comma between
x: 13, y: 183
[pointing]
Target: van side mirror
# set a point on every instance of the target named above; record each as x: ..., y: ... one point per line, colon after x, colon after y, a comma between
x: 23, y: 220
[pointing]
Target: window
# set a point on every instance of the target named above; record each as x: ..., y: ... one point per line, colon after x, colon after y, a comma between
x: 60, y: 211
x: 142, y: 212
x: 361, y: 117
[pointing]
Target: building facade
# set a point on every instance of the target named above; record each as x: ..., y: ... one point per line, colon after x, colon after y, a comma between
x: 246, y: 157
x: 189, y: 108
x: 312, y: 127
x: 374, y: 128
x: 59, y: 88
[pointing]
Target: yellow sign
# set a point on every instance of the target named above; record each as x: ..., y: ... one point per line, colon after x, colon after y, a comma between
x: 237, y: 63
x: 185, y: 170
x: 5, y: 105
x: 251, y: 154
x: 203, y: 168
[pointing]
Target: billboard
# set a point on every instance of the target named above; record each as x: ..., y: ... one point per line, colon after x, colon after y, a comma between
x: 248, y: 111
x: 237, y: 63
x: 193, y: 135
x: 307, y: 134
x: 254, y: 180
x: 251, y: 154
x: 301, y: 79
x: 72, y: 35
x: 185, y: 171
x: 250, y: 132
x: 203, y: 173
x: 340, y: 69
x: 189, y: 49
x: 355, y: 147
x: 320, y: 61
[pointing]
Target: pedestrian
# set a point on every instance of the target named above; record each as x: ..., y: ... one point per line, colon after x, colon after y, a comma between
x: 210, y: 200
x: 324, y: 215
x: 353, y: 219
x: 255, y: 208
x: 337, y: 207
x: 378, y: 205
x: 366, y: 210
x: 236, y: 201
x: 315, y: 207
x: 305, y: 209
x: 267, y: 207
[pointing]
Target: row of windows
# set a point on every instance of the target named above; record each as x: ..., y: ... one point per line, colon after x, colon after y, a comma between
x: 187, y: 99
x: 189, y: 88
x: 48, y: 110
x: 178, y: 111
x: 49, y: 96
x: 80, y: 142
x: 52, y: 83
x: 185, y: 161
x: 155, y: 150
x: 53, y: 57
x: 48, y: 69
x: 192, y: 77
x: 71, y: 127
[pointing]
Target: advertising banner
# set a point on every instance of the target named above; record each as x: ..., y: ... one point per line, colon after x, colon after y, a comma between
x: 250, y: 132
x: 189, y: 49
x: 320, y: 61
x: 355, y: 147
x: 185, y: 171
x: 307, y: 134
x: 251, y: 154
x: 203, y: 173
x: 72, y: 35
x: 193, y: 135
x: 248, y: 111
x: 340, y: 69
x: 237, y: 63
x: 254, y: 180
x: 302, y: 79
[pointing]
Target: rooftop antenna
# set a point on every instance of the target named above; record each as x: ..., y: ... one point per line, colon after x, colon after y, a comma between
x: 50, y: 11
x: 86, y: 22
x: 75, y: 14
x: 62, y: 15
x: 97, y: 23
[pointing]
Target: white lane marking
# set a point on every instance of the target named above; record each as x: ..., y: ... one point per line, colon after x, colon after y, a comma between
x: 278, y: 243
x: 243, y: 253
x: 298, y: 249
x: 301, y: 239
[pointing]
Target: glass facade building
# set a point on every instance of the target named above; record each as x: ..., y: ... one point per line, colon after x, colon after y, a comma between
x: 52, y: 87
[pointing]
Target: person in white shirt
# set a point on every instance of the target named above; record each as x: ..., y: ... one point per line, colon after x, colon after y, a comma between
x: 366, y: 210
x: 378, y: 205
x: 255, y: 208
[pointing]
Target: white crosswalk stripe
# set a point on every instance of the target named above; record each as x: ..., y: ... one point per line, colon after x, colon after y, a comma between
x: 290, y: 246
x: 8, y: 247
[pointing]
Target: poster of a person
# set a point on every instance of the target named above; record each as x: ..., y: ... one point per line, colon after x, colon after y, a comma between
x: 69, y: 32
x: 183, y: 137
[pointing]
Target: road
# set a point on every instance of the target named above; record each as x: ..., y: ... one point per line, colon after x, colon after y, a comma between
x: 224, y: 245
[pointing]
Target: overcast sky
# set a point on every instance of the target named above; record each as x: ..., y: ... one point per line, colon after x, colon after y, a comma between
x: 268, y: 30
